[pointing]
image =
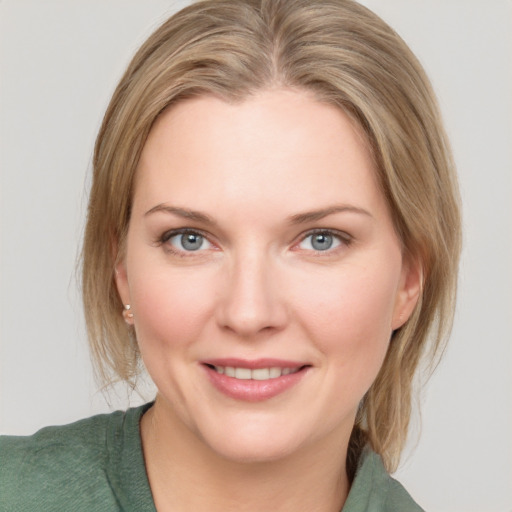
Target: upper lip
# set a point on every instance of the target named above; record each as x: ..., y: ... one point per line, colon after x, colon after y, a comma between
x: 255, y: 363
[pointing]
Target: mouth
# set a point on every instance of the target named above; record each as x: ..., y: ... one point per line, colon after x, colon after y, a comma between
x: 241, y: 373
x: 254, y: 381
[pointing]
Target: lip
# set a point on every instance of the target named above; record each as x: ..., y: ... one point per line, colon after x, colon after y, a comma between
x: 254, y: 390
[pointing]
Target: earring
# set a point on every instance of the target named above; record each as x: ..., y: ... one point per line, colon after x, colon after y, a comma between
x: 127, y: 314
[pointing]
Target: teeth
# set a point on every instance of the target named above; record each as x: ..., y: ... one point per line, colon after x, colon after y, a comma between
x: 257, y: 374
x: 275, y: 372
x: 243, y: 373
x: 261, y: 374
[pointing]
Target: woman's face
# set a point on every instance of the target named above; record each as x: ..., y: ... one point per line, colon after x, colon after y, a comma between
x: 263, y: 272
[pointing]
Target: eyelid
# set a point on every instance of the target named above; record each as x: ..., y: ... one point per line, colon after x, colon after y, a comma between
x: 182, y: 231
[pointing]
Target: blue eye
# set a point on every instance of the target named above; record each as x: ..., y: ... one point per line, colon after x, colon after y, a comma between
x: 320, y: 241
x: 189, y: 241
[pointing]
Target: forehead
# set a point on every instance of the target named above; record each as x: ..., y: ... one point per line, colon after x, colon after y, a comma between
x: 277, y: 144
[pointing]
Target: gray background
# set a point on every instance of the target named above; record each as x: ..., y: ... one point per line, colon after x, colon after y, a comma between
x: 60, y: 61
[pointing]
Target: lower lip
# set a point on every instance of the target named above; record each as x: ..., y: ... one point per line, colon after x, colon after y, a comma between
x: 253, y: 390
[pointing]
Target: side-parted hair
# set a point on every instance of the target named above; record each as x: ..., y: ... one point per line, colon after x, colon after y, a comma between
x: 346, y: 56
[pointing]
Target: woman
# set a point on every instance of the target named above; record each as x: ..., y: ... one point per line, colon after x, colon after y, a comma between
x: 273, y: 230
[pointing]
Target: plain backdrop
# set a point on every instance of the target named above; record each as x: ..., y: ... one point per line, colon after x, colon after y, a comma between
x: 60, y: 61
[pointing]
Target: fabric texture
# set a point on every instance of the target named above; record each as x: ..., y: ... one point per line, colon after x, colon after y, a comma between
x: 97, y: 464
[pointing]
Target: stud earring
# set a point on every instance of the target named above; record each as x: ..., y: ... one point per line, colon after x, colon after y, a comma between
x: 127, y: 314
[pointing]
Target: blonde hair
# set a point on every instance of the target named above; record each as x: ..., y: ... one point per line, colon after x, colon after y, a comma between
x: 346, y: 56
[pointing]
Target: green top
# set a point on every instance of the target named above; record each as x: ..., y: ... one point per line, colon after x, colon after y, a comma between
x: 97, y: 464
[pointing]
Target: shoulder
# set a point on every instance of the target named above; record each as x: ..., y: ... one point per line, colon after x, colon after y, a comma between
x: 398, y: 499
x: 64, y: 466
x: 375, y: 490
x: 60, y: 446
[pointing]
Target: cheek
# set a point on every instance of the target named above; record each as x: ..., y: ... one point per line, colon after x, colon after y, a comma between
x: 349, y: 316
x: 170, y: 309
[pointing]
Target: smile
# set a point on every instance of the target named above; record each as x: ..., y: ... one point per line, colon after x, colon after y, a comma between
x: 273, y: 372
x: 254, y: 381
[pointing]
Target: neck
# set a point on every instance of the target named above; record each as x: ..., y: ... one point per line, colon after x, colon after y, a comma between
x: 185, y: 474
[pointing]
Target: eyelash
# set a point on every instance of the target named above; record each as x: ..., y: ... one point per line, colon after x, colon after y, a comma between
x: 342, y: 237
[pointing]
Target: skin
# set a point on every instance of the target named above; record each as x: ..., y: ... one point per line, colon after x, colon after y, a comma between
x: 257, y: 288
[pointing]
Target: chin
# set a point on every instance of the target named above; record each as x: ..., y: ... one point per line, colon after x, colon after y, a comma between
x: 256, y: 438
x: 253, y: 451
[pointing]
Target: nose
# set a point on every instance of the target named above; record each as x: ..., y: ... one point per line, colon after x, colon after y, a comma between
x: 252, y: 301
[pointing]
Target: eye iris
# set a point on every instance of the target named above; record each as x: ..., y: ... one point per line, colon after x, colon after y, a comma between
x: 191, y: 241
x: 321, y: 241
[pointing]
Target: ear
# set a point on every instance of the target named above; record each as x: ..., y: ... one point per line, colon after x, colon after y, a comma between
x: 121, y: 278
x: 409, y: 291
x: 122, y: 282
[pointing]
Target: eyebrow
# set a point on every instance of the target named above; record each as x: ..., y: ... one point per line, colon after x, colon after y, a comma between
x: 314, y: 215
x: 300, y: 218
x: 182, y: 212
